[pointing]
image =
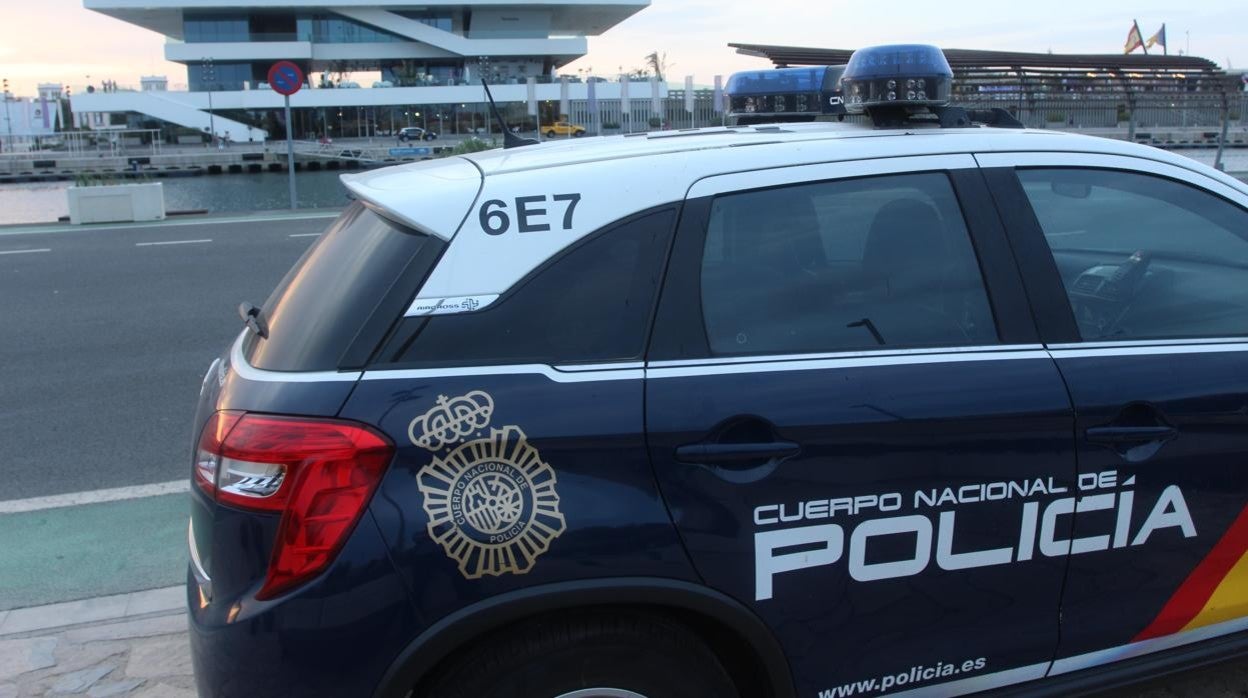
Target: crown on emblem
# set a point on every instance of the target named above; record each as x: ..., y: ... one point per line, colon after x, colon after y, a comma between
x: 451, y: 419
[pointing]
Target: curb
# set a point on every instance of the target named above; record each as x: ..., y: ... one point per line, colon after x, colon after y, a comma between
x: 101, y: 608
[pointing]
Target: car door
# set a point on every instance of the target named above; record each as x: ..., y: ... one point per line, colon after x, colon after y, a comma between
x: 854, y: 427
x: 1144, y: 269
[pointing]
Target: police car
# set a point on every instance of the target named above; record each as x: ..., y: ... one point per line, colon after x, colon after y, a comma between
x: 903, y: 405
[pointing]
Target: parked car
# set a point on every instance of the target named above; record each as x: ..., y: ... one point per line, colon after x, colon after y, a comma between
x: 911, y: 404
x: 416, y: 133
x: 563, y: 128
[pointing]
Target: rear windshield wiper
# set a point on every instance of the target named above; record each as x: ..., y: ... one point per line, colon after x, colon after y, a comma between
x: 254, y: 319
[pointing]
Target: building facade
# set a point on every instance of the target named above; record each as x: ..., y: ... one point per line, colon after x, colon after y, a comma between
x: 227, y: 47
x: 422, y: 58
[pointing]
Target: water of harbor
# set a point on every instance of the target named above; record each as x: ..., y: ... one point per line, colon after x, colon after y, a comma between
x: 44, y: 202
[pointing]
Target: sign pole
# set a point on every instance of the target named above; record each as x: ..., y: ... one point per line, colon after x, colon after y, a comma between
x: 285, y: 78
x: 290, y: 156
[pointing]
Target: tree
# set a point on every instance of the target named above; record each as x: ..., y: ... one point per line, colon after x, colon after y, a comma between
x: 657, y: 64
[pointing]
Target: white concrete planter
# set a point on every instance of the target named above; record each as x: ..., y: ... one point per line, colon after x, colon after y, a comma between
x: 118, y: 203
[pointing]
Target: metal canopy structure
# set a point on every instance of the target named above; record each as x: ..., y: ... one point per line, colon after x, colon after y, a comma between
x: 1075, y: 90
x: 784, y: 56
x: 994, y: 77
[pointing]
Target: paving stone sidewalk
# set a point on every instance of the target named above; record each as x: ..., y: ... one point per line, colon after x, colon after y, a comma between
x: 132, y: 645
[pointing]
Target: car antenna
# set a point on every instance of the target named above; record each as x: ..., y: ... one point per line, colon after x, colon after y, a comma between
x: 510, y: 140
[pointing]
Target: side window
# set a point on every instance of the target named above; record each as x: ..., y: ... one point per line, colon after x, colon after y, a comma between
x: 590, y: 304
x: 1143, y: 257
x: 842, y: 265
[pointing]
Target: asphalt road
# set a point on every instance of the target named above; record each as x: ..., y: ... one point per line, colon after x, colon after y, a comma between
x: 105, y: 336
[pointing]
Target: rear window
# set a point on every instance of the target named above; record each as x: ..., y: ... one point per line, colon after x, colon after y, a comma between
x: 352, y: 283
x: 590, y: 304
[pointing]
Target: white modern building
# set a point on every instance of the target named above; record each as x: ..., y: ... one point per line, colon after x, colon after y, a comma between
x: 426, y: 58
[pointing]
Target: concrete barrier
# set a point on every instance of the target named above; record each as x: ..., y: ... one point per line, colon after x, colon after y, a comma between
x: 119, y: 203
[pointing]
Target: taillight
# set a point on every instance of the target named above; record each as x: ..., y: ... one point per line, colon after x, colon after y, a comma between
x: 319, y: 474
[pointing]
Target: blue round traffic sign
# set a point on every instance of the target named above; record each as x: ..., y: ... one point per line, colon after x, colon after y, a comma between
x: 285, y: 78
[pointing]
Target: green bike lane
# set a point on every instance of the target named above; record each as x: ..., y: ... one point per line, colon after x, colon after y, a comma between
x: 89, y: 550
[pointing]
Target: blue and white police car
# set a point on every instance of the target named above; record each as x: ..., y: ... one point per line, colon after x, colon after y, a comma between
x: 910, y: 406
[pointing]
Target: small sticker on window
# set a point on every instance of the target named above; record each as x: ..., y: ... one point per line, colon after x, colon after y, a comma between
x: 449, y: 306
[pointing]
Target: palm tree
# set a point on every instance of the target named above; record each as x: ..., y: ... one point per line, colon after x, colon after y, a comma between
x: 657, y: 63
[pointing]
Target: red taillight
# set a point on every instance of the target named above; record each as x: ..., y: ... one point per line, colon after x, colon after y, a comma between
x: 318, y: 473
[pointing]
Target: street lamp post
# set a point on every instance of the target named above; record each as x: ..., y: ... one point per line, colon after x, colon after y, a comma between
x: 208, y: 74
x: 8, y: 122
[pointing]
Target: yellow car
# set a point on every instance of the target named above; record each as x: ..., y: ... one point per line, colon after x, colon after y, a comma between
x: 563, y: 128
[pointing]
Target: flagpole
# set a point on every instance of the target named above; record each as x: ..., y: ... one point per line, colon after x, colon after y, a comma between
x: 1165, y: 46
x: 1140, y: 34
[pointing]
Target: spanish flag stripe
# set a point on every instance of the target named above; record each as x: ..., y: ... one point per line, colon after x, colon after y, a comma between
x: 1229, y: 600
x: 1194, y: 593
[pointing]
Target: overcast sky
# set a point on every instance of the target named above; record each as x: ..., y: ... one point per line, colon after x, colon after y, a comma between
x: 59, y: 41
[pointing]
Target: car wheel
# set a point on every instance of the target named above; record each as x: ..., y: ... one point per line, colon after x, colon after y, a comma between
x: 550, y: 134
x: 403, y: 139
x: 600, y: 654
x: 578, y: 134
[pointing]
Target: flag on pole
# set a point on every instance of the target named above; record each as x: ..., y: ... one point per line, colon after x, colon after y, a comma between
x: 719, y: 94
x: 1158, y: 38
x: 689, y: 93
x: 626, y: 105
x: 1134, y: 39
x: 656, y: 104
x: 564, y: 107
x: 530, y: 86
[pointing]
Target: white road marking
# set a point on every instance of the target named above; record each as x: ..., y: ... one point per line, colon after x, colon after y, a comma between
x: 170, y: 242
x: 42, y: 249
x: 115, y: 494
x: 305, y: 235
x: 43, y: 228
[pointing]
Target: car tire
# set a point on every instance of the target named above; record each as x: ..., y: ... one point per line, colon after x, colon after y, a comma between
x: 403, y: 139
x: 578, y: 134
x: 550, y: 134
x: 623, y: 654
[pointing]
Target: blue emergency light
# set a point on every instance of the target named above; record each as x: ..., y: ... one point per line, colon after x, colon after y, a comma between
x: 900, y: 85
x: 793, y: 94
x: 894, y: 77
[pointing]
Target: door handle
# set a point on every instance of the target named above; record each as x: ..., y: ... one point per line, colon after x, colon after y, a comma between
x: 730, y: 453
x: 1126, y: 435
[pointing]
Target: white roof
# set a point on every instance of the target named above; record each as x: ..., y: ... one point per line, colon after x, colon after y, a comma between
x: 616, y: 176
x: 785, y: 140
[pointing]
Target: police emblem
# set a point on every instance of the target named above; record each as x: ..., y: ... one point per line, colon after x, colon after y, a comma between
x: 491, y: 502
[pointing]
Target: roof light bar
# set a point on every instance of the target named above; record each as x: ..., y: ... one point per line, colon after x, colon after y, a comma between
x: 896, y: 86
x: 785, y: 94
x: 896, y: 77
